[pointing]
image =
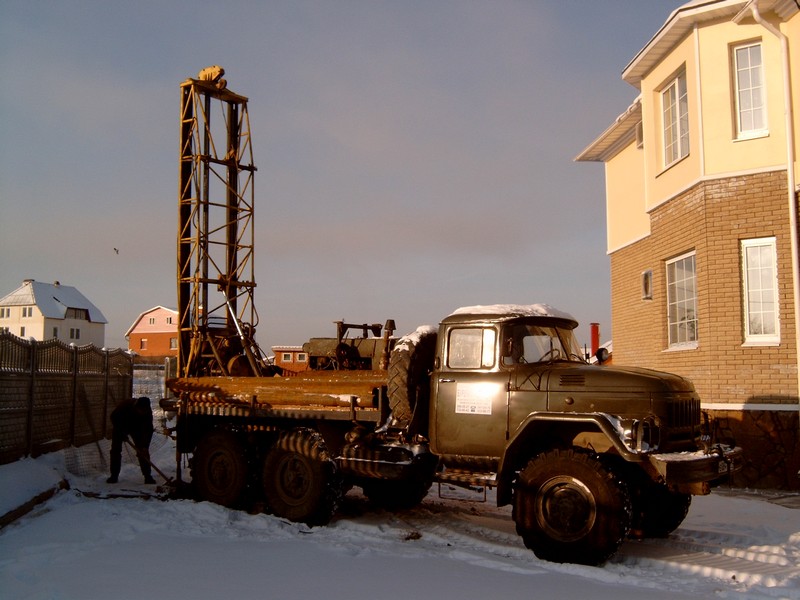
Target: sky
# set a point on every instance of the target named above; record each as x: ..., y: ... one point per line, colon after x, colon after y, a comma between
x: 413, y: 156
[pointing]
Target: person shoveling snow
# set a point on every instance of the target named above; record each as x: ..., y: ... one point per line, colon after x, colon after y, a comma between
x: 132, y: 418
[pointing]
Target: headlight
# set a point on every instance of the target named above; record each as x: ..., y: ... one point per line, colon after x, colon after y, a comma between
x: 641, y: 435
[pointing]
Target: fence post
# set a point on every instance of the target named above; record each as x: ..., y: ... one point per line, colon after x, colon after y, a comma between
x: 31, y: 394
x: 107, y: 369
x: 74, y: 410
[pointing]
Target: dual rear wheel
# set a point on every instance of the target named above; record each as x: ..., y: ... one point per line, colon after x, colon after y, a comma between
x: 298, y: 479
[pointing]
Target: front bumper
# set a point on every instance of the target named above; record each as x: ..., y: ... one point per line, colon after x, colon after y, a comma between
x: 697, y: 467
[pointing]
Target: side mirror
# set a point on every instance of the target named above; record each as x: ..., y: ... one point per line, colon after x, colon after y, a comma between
x: 601, y: 355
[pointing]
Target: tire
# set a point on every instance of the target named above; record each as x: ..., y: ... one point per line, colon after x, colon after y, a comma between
x: 396, y: 495
x: 569, y: 507
x: 300, y: 481
x: 410, y: 364
x: 658, y: 511
x: 219, y: 469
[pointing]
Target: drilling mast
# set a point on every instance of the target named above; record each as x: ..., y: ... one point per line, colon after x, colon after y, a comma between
x: 216, y: 310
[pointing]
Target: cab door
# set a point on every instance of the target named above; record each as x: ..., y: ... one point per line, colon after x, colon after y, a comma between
x: 470, y: 395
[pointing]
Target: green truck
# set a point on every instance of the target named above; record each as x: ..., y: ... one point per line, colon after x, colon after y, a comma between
x: 497, y: 396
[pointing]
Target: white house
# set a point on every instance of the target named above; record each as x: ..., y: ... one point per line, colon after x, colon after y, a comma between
x: 45, y: 311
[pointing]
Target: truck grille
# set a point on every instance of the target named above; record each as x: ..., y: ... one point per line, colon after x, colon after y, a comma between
x: 684, y: 412
x: 683, y: 420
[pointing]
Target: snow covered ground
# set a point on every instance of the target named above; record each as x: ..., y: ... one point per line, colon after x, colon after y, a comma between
x: 76, y: 546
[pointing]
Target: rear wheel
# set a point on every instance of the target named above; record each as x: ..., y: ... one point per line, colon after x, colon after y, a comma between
x: 568, y: 507
x: 219, y: 469
x: 300, y: 481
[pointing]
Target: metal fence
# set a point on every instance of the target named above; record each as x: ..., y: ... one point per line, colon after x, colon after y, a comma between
x: 54, y: 395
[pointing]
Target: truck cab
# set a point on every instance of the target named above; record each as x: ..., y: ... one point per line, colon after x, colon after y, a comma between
x: 492, y: 370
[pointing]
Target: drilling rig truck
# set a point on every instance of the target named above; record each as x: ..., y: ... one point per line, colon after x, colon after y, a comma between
x: 497, y: 397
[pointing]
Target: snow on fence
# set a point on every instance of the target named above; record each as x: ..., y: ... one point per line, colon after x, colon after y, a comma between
x: 54, y: 395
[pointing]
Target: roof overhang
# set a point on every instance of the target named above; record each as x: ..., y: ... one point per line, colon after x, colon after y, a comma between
x: 681, y: 22
x: 618, y: 135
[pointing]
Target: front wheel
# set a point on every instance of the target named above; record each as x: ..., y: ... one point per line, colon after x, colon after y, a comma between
x: 568, y: 507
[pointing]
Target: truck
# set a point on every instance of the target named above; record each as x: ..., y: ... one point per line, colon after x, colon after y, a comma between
x: 496, y: 397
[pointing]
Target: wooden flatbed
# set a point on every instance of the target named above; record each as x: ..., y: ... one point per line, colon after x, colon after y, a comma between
x: 337, y: 395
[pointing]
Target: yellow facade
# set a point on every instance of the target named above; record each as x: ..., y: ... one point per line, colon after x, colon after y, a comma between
x: 726, y: 190
x: 704, y: 54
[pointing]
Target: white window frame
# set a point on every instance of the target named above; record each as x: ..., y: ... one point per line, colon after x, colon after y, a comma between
x: 675, y: 120
x: 760, y: 291
x: 750, y: 91
x: 682, y: 321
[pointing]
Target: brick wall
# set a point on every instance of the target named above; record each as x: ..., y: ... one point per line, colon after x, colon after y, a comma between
x: 711, y: 219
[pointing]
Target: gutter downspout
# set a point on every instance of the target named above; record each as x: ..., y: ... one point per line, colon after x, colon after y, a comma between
x: 752, y: 6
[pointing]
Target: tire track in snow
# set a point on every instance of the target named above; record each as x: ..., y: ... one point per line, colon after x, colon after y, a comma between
x: 485, y: 534
x: 732, y: 558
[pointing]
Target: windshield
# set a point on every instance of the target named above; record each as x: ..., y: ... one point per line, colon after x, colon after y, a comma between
x: 526, y: 343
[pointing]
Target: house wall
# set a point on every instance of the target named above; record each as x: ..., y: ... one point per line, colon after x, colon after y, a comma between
x: 663, y: 183
x: 40, y: 328
x: 625, y: 198
x: 722, y: 152
x: 158, y: 344
x: 297, y: 359
x: 759, y: 382
x: 159, y: 327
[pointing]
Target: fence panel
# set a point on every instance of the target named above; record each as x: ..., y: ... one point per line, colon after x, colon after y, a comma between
x: 53, y: 395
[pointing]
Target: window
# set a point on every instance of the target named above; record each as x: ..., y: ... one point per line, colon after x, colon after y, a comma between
x: 471, y: 348
x: 77, y: 313
x: 169, y: 320
x: 302, y: 357
x: 55, y: 332
x: 21, y: 332
x: 27, y: 311
x: 5, y: 313
x: 152, y: 320
x: 173, y: 343
x: 647, y: 285
x: 675, y: 110
x: 286, y: 357
x: 682, y: 301
x: 5, y: 330
x: 74, y: 333
x: 751, y: 112
x: 760, y: 290
x: 143, y: 344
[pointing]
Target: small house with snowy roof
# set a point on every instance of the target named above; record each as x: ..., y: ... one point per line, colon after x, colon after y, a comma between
x: 154, y: 332
x: 44, y: 311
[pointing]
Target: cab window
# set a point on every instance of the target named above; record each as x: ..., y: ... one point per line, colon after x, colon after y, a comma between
x: 471, y: 348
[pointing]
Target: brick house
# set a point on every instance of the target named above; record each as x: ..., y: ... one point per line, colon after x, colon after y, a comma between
x: 701, y: 199
x: 292, y: 359
x: 154, y: 333
x: 45, y: 311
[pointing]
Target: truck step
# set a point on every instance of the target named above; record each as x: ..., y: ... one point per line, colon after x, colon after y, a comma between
x: 465, y: 478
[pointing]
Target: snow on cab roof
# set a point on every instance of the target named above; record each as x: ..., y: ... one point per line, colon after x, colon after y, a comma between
x: 514, y: 310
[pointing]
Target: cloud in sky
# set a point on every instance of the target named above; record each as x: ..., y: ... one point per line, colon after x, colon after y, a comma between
x: 412, y: 157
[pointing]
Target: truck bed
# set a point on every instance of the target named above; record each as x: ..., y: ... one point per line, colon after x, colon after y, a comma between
x: 312, y: 394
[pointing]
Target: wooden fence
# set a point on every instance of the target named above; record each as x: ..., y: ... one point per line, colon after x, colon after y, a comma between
x: 54, y: 395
